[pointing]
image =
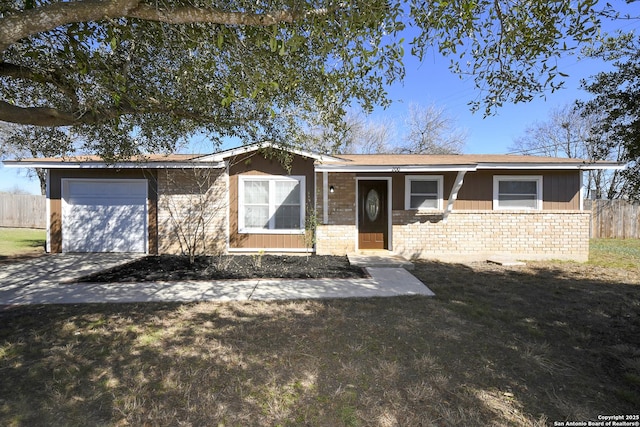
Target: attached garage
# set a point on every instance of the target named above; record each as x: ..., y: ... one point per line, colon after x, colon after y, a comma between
x: 104, y: 215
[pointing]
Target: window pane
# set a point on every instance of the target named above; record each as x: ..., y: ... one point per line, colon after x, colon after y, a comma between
x: 430, y: 202
x: 256, y: 192
x: 256, y: 216
x: 287, y: 193
x: 507, y: 201
x: 429, y: 187
x: 518, y: 187
x: 287, y: 217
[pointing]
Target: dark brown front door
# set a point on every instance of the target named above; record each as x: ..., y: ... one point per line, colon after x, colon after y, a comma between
x: 372, y: 215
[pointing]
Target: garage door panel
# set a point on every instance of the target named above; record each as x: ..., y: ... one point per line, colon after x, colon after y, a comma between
x: 105, y: 216
x: 97, y: 189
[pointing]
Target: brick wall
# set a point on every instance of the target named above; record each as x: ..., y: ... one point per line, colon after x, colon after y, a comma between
x: 335, y: 239
x: 342, y: 202
x: 192, y: 211
x: 337, y: 236
x: 478, y: 235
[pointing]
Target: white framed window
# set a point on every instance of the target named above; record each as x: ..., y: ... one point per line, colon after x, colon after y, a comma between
x: 271, y: 204
x: 518, y: 192
x: 423, y: 192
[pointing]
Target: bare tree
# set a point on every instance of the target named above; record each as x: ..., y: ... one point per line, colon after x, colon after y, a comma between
x: 366, y: 136
x: 431, y: 130
x: 192, y: 211
x: 564, y: 134
x: 569, y: 132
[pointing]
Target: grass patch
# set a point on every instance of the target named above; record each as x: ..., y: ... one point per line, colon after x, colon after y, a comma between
x: 524, y: 346
x: 21, y: 241
x: 616, y: 253
x: 496, y: 346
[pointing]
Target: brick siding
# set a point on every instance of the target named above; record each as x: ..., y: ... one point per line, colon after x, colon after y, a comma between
x: 335, y: 239
x: 478, y: 235
x: 189, y: 197
x: 342, y: 202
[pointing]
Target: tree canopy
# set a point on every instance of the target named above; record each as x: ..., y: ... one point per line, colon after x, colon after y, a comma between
x: 616, y: 101
x: 138, y: 76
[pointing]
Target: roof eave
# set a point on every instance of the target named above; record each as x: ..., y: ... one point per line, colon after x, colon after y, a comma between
x: 552, y: 166
x: 394, y: 168
x: 223, y: 155
x: 118, y: 165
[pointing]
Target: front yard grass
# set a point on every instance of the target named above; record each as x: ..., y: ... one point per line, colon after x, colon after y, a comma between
x: 20, y: 242
x: 496, y: 346
x: 624, y: 253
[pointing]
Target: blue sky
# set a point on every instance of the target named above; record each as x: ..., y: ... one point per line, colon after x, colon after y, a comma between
x: 431, y: 82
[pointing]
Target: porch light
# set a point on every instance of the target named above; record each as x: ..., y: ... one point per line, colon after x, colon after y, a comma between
x: 331, y: 189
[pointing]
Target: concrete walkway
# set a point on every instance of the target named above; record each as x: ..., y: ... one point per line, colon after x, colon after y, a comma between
x: 46, y: 280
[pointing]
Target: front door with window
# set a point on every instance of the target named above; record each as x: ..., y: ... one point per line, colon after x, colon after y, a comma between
x: 373, y: 223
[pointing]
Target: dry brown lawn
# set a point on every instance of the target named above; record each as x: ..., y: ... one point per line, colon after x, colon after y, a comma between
x: 496, y: 346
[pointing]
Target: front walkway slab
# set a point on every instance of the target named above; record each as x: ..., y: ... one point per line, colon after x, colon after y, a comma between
x: 80, y: 293
x: 59, y: 268
x: 46, y: 280
x: 399, y: 281
x: 379, y: 258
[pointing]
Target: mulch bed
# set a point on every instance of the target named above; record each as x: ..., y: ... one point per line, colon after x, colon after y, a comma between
x: 174, y: 267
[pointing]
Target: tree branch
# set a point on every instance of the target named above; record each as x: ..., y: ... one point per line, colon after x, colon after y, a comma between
x: 56, y: 79
x: 15, y: 27
x: 187, y: 15
x: 46, y: 116
x: 39, y: 116
x: 33, y: 21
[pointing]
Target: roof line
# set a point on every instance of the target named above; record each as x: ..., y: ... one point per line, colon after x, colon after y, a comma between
x: 103, y: 165
x: 395, y: 168
x: 223, y: 155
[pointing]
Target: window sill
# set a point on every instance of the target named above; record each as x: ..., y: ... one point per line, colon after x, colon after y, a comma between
x: 517, y: 209
x: 269, y: 231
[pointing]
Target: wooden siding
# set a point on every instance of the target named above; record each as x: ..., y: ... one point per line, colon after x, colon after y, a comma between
x: 55, y: 230
x: 560, y: 189
x: 257, y: 164
x: 55, y: 195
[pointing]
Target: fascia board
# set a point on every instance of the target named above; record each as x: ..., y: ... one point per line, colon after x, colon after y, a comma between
x: 102, y: 165
x: 223, y: 155
x: 395, y: 168
x: 605, y: 166
x: 549, y: 166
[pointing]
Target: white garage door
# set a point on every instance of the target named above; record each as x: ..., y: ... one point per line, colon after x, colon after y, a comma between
x: 104, y: 215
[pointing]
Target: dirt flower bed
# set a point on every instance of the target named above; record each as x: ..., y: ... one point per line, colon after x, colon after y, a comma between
x: 228, y: 267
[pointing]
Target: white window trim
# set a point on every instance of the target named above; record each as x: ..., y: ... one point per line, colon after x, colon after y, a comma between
x: 407, y: 191
x: 498, y: 178
x: 271, y: 179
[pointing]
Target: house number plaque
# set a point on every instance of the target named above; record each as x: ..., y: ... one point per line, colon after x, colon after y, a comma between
x: 372, y: 205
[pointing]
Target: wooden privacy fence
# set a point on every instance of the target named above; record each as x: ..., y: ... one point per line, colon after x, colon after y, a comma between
x: 614, y: 219
x: 22, y: 211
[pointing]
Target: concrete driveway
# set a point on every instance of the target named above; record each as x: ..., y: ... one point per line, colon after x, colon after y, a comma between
x: 49, y: 280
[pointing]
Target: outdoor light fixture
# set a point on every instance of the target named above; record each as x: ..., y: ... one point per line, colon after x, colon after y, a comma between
x: 331, y: 189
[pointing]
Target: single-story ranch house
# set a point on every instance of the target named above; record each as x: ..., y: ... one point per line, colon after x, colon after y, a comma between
x: 454, y: 207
